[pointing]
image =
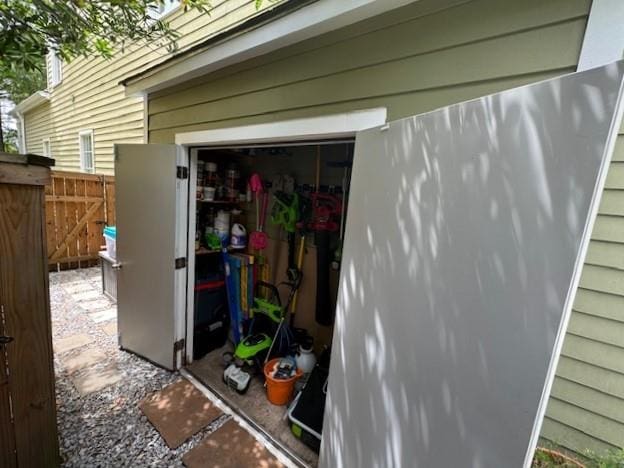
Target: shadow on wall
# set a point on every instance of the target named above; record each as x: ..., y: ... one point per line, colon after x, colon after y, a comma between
x: 464, y: 227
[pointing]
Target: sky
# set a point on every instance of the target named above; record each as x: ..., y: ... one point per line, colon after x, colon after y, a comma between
x: 5, y: 106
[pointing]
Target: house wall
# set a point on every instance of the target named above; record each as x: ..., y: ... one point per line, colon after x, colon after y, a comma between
x: 418, y: 59
x: 90, y: 96
x: 37, y: 123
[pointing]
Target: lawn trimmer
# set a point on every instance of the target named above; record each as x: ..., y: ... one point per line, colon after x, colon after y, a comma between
x: 267, y: 335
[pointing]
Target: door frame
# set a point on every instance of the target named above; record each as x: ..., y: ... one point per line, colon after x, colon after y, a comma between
x: 325, y: 127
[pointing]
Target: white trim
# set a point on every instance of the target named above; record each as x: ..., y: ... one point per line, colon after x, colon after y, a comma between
x: 168, y: 7
x: 312, y: 128
x: 55, y: 72
x: 47, y: 154
x: 21, y: 131
x: 576, y: 276
x: 603, y: 42
x: 145, y: 118
x: 83, y: 167
x: 310, y: 21
x: 190, y: 261
x: 32, y: 101
x: 181, y: 275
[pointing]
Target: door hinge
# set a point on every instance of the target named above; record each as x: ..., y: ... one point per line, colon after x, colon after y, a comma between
x: 180, y: 263
x: 177, y: 347
x: 182, y: 172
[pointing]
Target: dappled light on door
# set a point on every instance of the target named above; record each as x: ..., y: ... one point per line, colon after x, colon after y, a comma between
x: 463, y: 232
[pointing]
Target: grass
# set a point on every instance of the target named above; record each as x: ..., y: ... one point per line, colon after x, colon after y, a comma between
x: 548, y: 458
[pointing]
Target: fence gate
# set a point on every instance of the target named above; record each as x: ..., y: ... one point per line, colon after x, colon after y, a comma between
x: 78, y: 206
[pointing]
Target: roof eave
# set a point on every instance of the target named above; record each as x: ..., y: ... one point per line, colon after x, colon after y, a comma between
x: 305, y: 22
x: 31, y: 102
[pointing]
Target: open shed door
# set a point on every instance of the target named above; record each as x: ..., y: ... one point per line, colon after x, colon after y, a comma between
x: 466, y: 233
x: 151, y: 201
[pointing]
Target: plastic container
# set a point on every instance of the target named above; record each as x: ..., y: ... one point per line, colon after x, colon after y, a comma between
x: 232, y: 183
x: 279, y: 391
x: 211, y: 174
x: 110, y: 236
x: 211, y: 318
x: 209, y: 193
x: 222, y: 226
x: 200, y: 172
x: 306, y: 360
x: 238, y: 239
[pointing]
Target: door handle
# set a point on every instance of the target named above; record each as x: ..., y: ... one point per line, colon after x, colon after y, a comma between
x: 116, y: 266
x: 5, y: 339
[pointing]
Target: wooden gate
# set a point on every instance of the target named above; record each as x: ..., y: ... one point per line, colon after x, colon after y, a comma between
x: 78, y: 206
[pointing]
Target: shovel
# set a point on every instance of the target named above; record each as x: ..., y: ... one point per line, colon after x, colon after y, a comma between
x: 258, y: 239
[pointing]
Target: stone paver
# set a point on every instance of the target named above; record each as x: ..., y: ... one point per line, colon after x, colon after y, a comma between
x: 92, y: 379
x: 95, y: 305
x: 82, y: 360
x: 71, y: 342
x: 104, y: 315
x: 99, y: 387
x: 110, y: 328
x: 99, y: 421
x: 77, y: 287
x: 86, y: 296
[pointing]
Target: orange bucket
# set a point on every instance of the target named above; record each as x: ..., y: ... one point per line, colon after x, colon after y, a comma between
x: 279, y: 391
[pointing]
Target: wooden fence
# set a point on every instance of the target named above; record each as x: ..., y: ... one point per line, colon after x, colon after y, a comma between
x: 78, y: 206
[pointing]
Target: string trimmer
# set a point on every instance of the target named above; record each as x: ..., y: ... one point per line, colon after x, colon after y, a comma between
x: 266, y: 332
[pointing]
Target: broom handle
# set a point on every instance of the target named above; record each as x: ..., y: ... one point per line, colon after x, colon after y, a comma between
x: 293, y: 304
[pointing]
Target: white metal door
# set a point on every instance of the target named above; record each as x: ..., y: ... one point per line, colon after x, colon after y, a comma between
x: 151, y: 203
x: 466, y: 233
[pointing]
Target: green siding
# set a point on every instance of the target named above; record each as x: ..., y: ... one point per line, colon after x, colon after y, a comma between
x: 417, y: 59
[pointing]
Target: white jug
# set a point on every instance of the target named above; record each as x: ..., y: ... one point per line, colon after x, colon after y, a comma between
x: 306, y: 360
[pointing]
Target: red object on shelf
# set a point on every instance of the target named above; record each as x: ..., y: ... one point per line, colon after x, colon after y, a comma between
x: 209, y: 285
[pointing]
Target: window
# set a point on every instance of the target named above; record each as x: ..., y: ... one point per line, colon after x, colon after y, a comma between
x: 55, y: 70
x: 87, y: 159
x: 164, y: 7
x: 47, y: 149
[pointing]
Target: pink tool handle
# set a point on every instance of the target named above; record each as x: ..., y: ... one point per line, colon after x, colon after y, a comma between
x: 255, y: 183
x: 263, y: 212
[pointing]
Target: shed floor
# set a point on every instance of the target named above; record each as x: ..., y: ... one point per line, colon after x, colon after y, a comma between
x: 253, y: 404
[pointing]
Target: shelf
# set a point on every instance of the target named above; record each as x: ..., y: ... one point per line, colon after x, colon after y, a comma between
x: 219, y: 202
x: 204, y: 251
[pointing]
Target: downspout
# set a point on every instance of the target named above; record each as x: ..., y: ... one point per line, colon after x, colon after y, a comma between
x: 22, y: 133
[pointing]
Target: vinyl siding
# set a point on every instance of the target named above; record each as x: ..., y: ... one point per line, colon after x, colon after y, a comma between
x: 89, y: 97
x: 418, y: 59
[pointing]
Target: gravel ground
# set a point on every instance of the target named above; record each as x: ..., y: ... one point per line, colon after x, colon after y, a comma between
x: 106, y: 427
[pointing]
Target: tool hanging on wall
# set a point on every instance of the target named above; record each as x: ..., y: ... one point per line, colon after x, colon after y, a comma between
x: 285, y: 213
x: 346, y: 166
x: 304, y: 215
x: 325, y: 209
x: 258, y: 239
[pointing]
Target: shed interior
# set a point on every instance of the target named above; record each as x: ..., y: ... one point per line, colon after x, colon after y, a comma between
x: 241, y: 330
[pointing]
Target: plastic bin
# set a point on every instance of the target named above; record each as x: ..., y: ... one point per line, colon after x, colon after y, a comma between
x: 211, y: 317
x: 110, y: 236
x: 306, y: 412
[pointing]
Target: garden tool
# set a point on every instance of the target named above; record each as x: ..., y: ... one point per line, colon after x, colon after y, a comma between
x: 346, y: 165
x: 326, y: 208
x: 285, y: 214
x: 258, y: 239
x: 304, y: 212
x: 267, y: 331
